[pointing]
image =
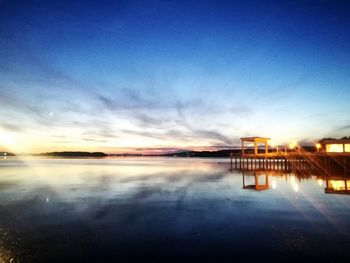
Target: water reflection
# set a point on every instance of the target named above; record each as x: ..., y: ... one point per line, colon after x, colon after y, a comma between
x: 337, y: 185
x: 166, y: 209
x: 261, y: 181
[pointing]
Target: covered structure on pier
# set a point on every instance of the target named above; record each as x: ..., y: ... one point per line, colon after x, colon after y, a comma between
x: 338, y: 146
x: 256, y: 141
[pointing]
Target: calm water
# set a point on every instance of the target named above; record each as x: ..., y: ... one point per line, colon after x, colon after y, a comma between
x: 167, y: 209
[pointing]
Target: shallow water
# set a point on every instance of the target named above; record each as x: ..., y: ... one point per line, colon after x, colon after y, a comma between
x: 166, y: 209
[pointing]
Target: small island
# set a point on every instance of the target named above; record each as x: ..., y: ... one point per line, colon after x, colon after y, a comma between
x: 74, y: 154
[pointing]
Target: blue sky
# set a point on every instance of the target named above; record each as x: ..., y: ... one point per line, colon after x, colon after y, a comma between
x: 133, y: 75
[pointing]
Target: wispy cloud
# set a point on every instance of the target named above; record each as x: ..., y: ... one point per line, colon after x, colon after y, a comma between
x: 12, y: 127
x: 344, y: 128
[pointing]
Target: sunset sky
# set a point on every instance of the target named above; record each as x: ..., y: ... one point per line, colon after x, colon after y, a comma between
x: 125, y: 76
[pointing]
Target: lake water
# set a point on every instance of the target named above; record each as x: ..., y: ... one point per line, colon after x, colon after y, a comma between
x: 167, y: 209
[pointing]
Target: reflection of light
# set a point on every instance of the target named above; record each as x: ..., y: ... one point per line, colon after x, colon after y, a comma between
x: 292, y: 180
x: 51, y: 113
x: 294, y: 184
x: 337, y: 185
x: 47, y: 199
x: 320, y: 182
x: 296, y: 187
x: 5, y: 255
x: 274, y: 184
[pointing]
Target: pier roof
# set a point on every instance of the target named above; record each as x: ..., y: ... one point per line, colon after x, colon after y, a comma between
x: 331, y: 141
x: 255, y: 139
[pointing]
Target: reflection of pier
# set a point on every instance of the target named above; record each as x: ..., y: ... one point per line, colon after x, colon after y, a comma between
x: 337, y: 185
x: 261, y: 182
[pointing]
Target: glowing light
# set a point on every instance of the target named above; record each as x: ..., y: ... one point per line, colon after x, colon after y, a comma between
x: 292, y: 145
x: 5, y: 139
x: 347, y: 148
x: 274, y: 184
x: 51, y: 114
x: 320, y: 182
x: 318, y: 146
x: 334, y: 148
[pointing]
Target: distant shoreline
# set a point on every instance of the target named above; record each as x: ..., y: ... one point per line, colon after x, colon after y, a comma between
x: 201, y: 154
x: 73, y: 154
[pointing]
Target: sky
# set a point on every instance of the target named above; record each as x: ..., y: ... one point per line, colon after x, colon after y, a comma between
x: 141, y: 76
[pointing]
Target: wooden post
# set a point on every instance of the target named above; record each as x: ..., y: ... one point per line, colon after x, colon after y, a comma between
x: 243, y: 179
x: 346, y: 185
x: 256, y: 179
x: 267, y: 179
x: 242, y: 147
x: 255, y: 148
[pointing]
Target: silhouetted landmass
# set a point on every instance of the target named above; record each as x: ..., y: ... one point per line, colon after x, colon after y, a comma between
x: 226, y: 153
x: 330, y: 138
x: 7, y: 154
x: 75, y: 154
x: 213, y: 154
x: 126, y: 155
x: 220, y: 153
x: 309, y: 148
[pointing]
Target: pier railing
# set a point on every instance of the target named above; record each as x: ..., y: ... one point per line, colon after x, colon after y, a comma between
x: 302, y: 162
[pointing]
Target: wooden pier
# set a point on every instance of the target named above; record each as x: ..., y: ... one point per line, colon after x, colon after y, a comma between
x: 298, y: 162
